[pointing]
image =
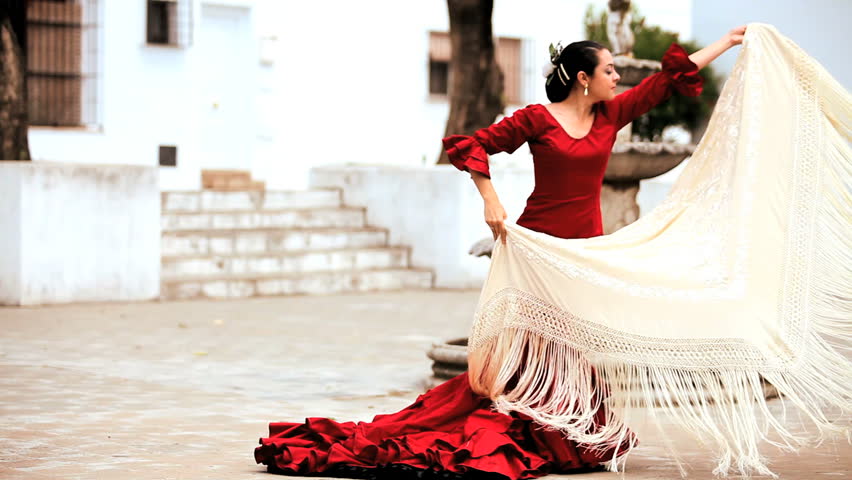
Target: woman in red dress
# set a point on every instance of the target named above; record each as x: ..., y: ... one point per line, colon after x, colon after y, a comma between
x: 451, y: 432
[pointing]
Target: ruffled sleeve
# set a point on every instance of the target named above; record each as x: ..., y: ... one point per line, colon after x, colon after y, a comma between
x: 470, y: 152
x: 679, y: 74
x: 682, y: 72
x: 467, y: 154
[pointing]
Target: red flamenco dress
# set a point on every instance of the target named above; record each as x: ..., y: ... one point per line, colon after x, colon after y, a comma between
x: 449, y: 431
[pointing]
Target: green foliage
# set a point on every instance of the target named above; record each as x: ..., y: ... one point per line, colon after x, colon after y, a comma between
x: 651, y: 43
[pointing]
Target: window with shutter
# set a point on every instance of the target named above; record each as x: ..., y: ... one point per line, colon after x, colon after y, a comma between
x: 62, y: 62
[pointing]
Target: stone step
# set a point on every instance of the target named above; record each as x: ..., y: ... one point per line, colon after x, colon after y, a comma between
x: 309, y: 218
x: 231, y: 242
x: 285, y: 263
x: 296, y: 284
x: 203, y: 201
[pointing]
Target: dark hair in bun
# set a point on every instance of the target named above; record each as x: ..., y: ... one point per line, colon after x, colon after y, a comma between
x: 576, y: 57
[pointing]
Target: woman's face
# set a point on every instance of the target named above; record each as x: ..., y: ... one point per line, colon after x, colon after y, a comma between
x: 602, y: 84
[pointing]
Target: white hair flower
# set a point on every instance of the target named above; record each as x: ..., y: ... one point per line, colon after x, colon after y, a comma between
x: 548, y: 69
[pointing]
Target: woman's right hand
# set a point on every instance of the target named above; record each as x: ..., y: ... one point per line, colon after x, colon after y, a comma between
x: 494, y: 217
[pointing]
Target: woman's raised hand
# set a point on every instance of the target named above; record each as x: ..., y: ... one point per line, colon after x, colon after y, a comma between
x: 709, y: 53
x: 735, y: 36
x: 494, y: 217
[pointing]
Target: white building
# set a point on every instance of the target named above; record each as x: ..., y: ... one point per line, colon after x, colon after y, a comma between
x: 279, y: 88
x: 176, y: 73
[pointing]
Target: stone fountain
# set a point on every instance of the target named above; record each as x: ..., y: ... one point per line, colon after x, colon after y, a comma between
x: 631, y: 161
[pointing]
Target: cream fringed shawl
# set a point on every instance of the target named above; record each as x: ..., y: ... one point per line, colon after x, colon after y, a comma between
x: 742, y: 276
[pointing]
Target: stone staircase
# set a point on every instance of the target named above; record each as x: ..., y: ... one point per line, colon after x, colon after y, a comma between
x: 233, y: 244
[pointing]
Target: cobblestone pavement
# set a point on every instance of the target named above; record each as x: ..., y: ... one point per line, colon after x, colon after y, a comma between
x: 183, y: 390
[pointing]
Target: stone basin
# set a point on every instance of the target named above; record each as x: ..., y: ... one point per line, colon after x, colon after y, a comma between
x: 634, y: 161
x: 634, y: 70
x: 449, y: 359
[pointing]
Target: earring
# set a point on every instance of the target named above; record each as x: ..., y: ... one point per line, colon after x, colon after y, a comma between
x: 586, y: 91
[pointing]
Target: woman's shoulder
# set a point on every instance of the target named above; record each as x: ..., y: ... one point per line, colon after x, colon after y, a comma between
x: 529, y: 109
x: 533, y: 113
x: 533, y: 107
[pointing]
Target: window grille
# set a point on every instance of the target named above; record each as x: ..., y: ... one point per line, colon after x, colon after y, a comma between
x: 508, y: 53
x: 439, y: 63
x: 63, y: 57
x: 169, y: 22
x: 508, y: 56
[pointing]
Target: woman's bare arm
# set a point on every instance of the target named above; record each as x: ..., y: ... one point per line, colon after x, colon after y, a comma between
x: 494, y: 212
x: 711, y: 52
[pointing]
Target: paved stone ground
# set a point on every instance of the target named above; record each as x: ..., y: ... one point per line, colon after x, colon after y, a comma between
x: 183, y: 390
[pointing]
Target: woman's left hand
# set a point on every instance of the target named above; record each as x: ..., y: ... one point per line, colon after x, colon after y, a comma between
x: 735, y: 36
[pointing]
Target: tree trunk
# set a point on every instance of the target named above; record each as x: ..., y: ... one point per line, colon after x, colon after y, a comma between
x: 476, y: 82
x: 13, y: 75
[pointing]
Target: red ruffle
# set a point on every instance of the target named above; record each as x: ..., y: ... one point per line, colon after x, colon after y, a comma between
x: 467, y: 154
x: 449, y: 428
x: 682, y: 71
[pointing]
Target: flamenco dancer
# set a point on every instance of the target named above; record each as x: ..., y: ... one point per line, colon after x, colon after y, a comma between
x: 525, y: 410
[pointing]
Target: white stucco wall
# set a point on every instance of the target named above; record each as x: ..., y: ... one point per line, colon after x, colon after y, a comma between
x: 77, y: 233
x: 10, y: 236
x: 436, y: 210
